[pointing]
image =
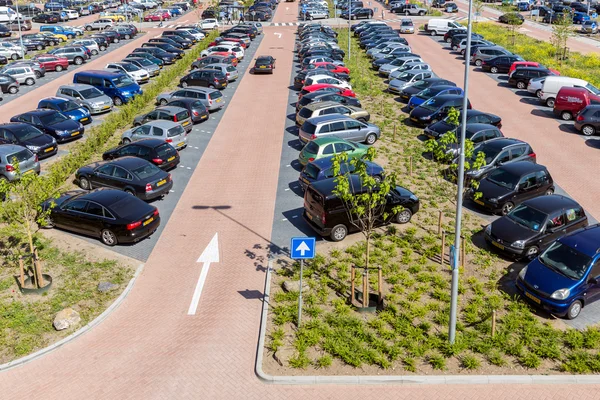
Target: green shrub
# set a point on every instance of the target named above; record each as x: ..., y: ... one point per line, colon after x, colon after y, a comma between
x: 470, y: 362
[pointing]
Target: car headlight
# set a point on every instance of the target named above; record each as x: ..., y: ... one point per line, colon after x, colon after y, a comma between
x: 561, y: 294
x: 519, y: 244
x: 425, y: 118
x: 493, y: 200
x: 63, y: 132
x: 33, y: 148
x: 413, y: 197
x: 522, y: 273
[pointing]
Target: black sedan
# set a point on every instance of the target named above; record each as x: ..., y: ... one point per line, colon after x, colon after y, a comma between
x: 134, y: 175
x: 437, y: 129
x: 28, y: 136
x: 357, y: 13
x: 264, y: 64
x: 195, y: 107
x: 500, y: 64
x: 52, y: 122
x: 326, y: 96
x: 113, y: 216
x: 46, y: 18
x: 157, y: 151
x: 8, y: 84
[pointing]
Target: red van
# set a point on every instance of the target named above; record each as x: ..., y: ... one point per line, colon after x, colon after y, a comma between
x: 571, y: 100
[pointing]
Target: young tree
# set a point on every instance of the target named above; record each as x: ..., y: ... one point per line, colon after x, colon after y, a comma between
x: 22, y: 209
x: 365, y: 199
x: 478, y: 5
x: 561, y: 31
x: 513, y: 22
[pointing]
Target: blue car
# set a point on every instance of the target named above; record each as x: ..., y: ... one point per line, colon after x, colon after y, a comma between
x: 430, y: 92
x: 69, y: 108
x: 116, y: 85
x: 322, y: 168
x: 53, y: 123
x: 565, y: 277
x: 579, y: 17
x: 175, y: 11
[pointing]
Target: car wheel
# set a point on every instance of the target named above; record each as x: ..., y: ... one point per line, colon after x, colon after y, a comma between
x: 338, y: 233
x: 550, y: 102
x: 127, y: 37
x: 478, y: 63
x: 48, y: 222
x: 421, y: 13
x: 520, y: 85
x: 403, y: 217
x: 574, y: 310
x: 163, y: 102
x: 108, y: 237
x: 126, y: 141
x: 102, y: 48
x: 14, y: 56
x: 532, y: 252
x: 433, y: 121
x: 184, y: 84
x: 58, y: 68
x: 13, y: 90
x: 78, y: 60
x: 538, y: 93
x: 566, y: 116
x: 70, y: 36
x: 129, y: 191
x: 507, y: 207
x: 211, y: 86
x: 549, y: 192
x: 588, y: 130
x: 371, y: 138
x: 116, y: 40
x: 39, y: 47
x: 52, y: 43
x: 84, y: 183
x: 117, y: 101
x: 377, y: 179
x: 94, y: 52
x: 406, y: 13
x: 454, y: 48
x: 88, y: 28
x: 494, y: 70
x: 38, y: 74
x: 30, y: 81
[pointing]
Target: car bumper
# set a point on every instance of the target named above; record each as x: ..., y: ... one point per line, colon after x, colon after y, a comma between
x: 85, y: 120
x: 321, y: 231
x: 506, y: 249
x: 263, y: 70
x: 100, y: 109
x: 557, y: 308
x: 494, y: 208
x: 67, y: 137
x: 162, y: 191
x: 47, y: 152
x: 138, y: 234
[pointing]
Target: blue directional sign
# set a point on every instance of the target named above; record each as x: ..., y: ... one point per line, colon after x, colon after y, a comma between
x: 303, y: 248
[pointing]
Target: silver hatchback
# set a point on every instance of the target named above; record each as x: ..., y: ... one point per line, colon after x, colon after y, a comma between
x: 170, y: 132
x: 11, y: 155
x: 228, y: 70
x: 86, y: 95
x: 211, y: 98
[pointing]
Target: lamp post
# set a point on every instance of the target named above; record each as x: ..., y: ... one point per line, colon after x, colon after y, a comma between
x: 349, y: 25
x: 459, y: 194
x: 20, y: 32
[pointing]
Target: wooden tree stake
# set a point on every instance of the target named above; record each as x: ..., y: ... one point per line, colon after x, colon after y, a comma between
x: 22, y: 272
x: 380, y: 284
x: 352, y: 284
x: 38, y: 269
x: 463, y: 252
x: 439, y: 222
x: 365, y: 289
x: 394, y: 137
x: 443, y: 248
x: 410, y: 165
x: 493, y: 323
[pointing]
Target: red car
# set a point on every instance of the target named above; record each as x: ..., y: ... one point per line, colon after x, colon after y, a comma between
x: 159, y: 16
x: 338, y: 69
x: 218, y: 40
x: 327, y: 87
x: 51, y: 62
x: 522, y: 64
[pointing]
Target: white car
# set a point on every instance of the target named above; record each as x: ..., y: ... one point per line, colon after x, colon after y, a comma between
x: 209, y: 23
x: 136, y: 73
x: 92, y: 45
x: 147, y: 3
x: 314, y: 79
x: 11, y: 50
x: 237, y: 51
x: 535, y: 86
x: 72, y: 14
x: 99, y: 24
x: 195, y: 33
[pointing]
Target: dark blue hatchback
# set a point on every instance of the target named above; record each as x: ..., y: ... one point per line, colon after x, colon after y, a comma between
x: 52, y: 122
x: 68, y: 107
x: 322, y: 168
x: 565, y: 277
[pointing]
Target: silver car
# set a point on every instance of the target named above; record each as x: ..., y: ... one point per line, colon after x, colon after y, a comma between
x: 92, y: 45
x: 22, y: 73
x: 167, y: 113
x: 228, y: 70
x: 170, y: 132
x: 86, y: 95
x: 396, y: 63
x: 11, y: 154
x: 11, y: 50
x: 409, y: 66
x: 535, y: 85
x: 407, y: 78
x: 211, y: 98
x: 75, y: 54
x: 340, y: 126
x: 99, y: 24
x: 482, y: 54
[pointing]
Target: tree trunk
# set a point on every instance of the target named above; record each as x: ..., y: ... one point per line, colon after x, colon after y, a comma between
x: 37, y: 275
x: 366, y: 284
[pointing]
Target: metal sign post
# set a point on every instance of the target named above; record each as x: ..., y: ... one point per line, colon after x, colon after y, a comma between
x: 302, y: 248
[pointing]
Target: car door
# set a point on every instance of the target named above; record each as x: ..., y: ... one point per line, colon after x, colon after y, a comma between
x: 121, y: 178
x: 337, y: 129
x: 102, y: 176
x: 354, y: 130
x: 328, y: 150
x: 517, y: 153
x: 341, y: 147
x: 554, y: 228
x: 575, y: 218
x: 70, y: 216
x: 151, y: 116
x: 527, y: 188
x: 141, y: 132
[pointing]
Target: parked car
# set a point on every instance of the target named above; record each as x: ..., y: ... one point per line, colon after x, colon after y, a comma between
x: 195, y: 107
x: 53, y: 123
x: 329, y: 146
x: 46, y: 18
x: 90, y: 97
x: 8, y: 84
x: 212, y: 99
x: 499, y: 152
x: 207, y: 78
x: 436, y: 109
x: 22, y: 74
x: 169, y: 131
x: 69, y: 108
x: 30, y: 137
x: 500, y: 64
x: 51, y: 62
x: 156, y: 151
x: 322, y: 169
x: 340, y: 126
x: 407, y: 26
x: 511, y: 18
x: 553, y: 84
x: 434, y: 131
x: 133, y: 71
x: 99, y: 24
x: 329, y: 108
x: 10, y: 156
x: 509, y: 185
x: 482, y: 54
x: 143, y: 63
x: 476, y: 133
x: 116, y: 85
x: 520, y: 77
x: 75, y: 55
x: 431, y: 92
x: 588, y: 120
x: 417, y: 87
x: 325, y: 87
x: 319, y: 96
x: 166, y: 113
x: 589, y: 27
x: 571, y: 100
x: 326, y: 215
x: 113, y: 216
x: 230, y: 72
x: 532, y: 226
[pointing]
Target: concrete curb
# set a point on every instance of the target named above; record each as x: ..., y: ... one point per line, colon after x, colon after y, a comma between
x: 79, y: 332
x: 396, y: 379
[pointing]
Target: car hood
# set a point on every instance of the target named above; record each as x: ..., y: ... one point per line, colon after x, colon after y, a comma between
x: 419, y: 112
x: 77, y: 113
x: 545, y: 279
x: 39, y: 141
x: 68, y: 125
x: 509, y: 231
x: 491, y: 190
x: 62, y: 198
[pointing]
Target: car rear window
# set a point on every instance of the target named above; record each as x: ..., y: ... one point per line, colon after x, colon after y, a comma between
x: 230, y: 68
x: 146, y: 171
x: 311, y: 170
x: 309, y: 127
x: 311, y: 147
x: 20, y: 156
x: 305, y: 113
x: 314, y: 195
x: 215, y: 95
x: 219, y: 75
x: 165, y: 150
x: 175, y: 131
x: 182, y: 115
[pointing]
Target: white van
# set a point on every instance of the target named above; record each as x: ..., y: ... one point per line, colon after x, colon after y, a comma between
x: 441, y: 26
x: 553, y: 84
x: 147, y: 3
x: 7, y: 14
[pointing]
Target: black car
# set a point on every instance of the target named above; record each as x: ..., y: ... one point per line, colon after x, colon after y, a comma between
x: 530, y: 227
x: 165, y: 47
x: 46, y: 18
x: 5, y: 31
x: 476, y: 133
x: 111, y: 36
x: 208, y: 13
x: 166, y: 57
x: 358, y: 13
x: 434, y: 131
x: 419, y: 86
x: 497, y: 152
x: 436, y: 109
x: 327, y: 96
x: 500, y: 64
x: 331, y: 53
x: 195, y: 107
x: 454, y: 31
x: 156, y: 151
x: 325, y: 213
x: 52, y: 122
x: 8, y: 84
x: 204, y: 77
x: 146, y: 56
x: 28, y: 136
x: 182, y: 34
x: 509, y: 185
x: 103, y: 41
x: 113, y: 216
x: 588, y: 120
x: 521, y: 76
x: 134, y: 175
x: 46, y: 40
x: 167, y: 41
x: 512, y: 18
x: 186, y: 43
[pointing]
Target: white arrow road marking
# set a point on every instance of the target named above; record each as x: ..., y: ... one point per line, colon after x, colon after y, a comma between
x: 278, y: 34
x: 302, y: 247
x: 208, y: 256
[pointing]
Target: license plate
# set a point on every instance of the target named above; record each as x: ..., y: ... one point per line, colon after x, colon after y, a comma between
x: 414, y: 120
x: 404, y: 97
x: 309, y: 216
x: 28, y: 172
x: 105, y: 107
x: 160, y: 183
x: 218, y: 100
x: 430, y: 136
x: 146, y: 222
x: 262, y: 66
x: 498, y: 245
x: 303, y: 179
x: 170, y: 159
x: 204, y: 116
x: 75, y: 133
x: 83, y: 119
x: 49, y: 149
x: 186, y: 123
x: 181, y: 144
x: 532, y: 297
x: 478, y: 202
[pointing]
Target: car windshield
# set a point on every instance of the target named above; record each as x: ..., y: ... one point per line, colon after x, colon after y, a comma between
x: 592, y: 89
x: 26, y: 132
x: 146, y: 171
x: 433, y: 104
x: 90, y: 93
x: 405, y: 77
x: 565, y: 260
x: 427, y: 93
x: 20, y: 156
x: 53, y: 118
x: 312, y: 148
x: 176, y: 130
x: 312, y: 171
x: 263, y: 61
x: 420, y: 85
x: 68, y: 106
x: 122, y: 81
x: 145, y: 62
x: 503, y: 178
x: 129, y: 67
x: 489, y: 154
x: 528, y: 217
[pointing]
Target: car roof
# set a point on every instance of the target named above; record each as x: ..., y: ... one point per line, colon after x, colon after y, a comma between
x: 198, y: 89
x: 171, y: 109
x: 55, y: 99
x: 161, y: 123
x: 531, y: 69
x: 327, y: 118
x: 585, y: 240
x: 151, y: 142
x: 548, y: 204
x: 76, y: 86
x: 40, y: 111
x: 10, y: 148
x: 326, y: 140
x: 448, y: 97
x: 106, y: 196
x: 500, y: 143
x: 323, y: 104
x: 476, y: 127
x: 522, y: 167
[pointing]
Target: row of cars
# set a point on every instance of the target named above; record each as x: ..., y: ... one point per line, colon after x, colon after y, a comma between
x: 534, y: 221
x: 330, y: 121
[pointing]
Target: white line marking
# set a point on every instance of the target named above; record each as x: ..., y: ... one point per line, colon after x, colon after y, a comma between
x: 286, y: 189
x: 188, y: 167
x: 285, y: 219
x: 208, y: 256
x: 288, y: 165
